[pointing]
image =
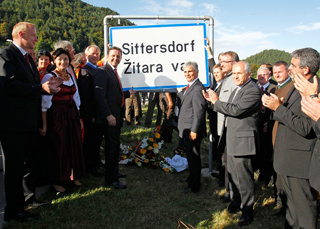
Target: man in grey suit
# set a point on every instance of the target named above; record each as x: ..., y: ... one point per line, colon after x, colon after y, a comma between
x: 241, y: 110
x: 294, y: 143
x: 191, y: 123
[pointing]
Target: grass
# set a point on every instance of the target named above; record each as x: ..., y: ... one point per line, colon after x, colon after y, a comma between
x: 153, y: 199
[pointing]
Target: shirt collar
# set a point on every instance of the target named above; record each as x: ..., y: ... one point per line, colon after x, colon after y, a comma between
x: 264, y: 86
x: 284, y: 82
x: 91, y: 65
x: 193, y: 81
x: 24, y: 52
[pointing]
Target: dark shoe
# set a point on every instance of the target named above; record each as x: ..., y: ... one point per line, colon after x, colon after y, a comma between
x: 128, y: 123
x: 245, y: 220
x: 117, y: 185
x: 225, y: 198
x: 120, y: 175
x: 233, y: 207
x: 96, y: 173
x: 23, y: 216
x: 215, y: 173
x: 189, y: 190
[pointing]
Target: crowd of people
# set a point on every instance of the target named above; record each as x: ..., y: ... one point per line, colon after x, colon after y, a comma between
x: 57, y: 107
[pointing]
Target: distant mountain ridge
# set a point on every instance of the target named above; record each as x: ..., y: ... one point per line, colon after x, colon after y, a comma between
x: 268, y: 56
x: 72, y: 20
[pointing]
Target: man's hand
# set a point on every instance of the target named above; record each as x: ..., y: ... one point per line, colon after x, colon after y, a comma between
x: 193, y: 136
x: 305, y: 87
x: 52, y: 86
x: 112, y: 121
x: 210, y: 96
x: 311, y: 107
x: 271, y: 101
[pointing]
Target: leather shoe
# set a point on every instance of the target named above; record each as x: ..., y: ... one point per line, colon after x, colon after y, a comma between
x: 233, y: 207
x: 120, y: 175
x: 117, y: 185
x: 22, y: 216
x: 245, y: 220
x: 225, y: 198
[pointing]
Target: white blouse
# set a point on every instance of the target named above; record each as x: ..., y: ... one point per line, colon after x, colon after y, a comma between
x: 47, y: 99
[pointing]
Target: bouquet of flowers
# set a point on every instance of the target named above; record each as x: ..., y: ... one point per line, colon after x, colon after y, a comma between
x: 146, y: 153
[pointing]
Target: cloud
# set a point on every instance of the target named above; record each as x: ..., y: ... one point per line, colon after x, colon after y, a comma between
x: 208, y: 8
x: 305, y: 28
x: 240, y: 40
x: 168, y: 7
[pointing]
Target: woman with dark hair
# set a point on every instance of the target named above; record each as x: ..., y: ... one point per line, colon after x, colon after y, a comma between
x: 61, y: 122
x: 44, y: 60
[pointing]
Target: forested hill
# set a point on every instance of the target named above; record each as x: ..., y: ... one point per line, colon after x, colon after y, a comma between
x: 72, y: 20
x: 267, y: 56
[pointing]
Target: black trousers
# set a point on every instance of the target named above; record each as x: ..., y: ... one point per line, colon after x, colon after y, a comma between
x: 192, y: 149
x: 112, y: 150
x: 91, y: 144
x: 21, y: 164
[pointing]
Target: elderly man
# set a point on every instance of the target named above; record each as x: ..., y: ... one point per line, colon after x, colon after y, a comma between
x: 191, y: 123
x: 264, y: 155
x: 92, y: 135
x: 294, y: 143
x: 241, y: 111
x: 20, y: 98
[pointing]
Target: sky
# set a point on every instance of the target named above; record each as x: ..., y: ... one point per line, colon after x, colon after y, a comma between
x: 246, y: 27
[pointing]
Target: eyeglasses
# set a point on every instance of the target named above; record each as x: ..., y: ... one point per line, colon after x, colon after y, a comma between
x: 226, y: 61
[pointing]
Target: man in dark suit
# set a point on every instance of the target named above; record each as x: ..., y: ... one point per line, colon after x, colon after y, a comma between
x: 241, y: 113
x: 110, y: 104
x: 191, y: 123
x: 20, y: 98
x: 265, y: 152
x: 294, y: 144
x: 92, y: 135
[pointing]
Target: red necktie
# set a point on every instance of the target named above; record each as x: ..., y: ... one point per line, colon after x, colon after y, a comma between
x: 187, y: 88
x: 122, y: 101
x: 262, y: 90
x: 27, y: 58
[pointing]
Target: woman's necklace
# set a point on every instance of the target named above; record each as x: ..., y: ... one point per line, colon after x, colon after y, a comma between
x: 63, y: 74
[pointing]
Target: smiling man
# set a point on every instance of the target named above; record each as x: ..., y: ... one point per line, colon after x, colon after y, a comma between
x: 191, y: 123
x: 109, y: 98
x: 241, y: 113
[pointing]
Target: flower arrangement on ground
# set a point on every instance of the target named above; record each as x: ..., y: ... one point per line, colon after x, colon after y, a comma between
x: 146, y: 153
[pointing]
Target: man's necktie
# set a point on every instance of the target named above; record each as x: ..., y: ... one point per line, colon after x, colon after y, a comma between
x: 262, y: 90
x: 116, y: 72
x: 187, y: 88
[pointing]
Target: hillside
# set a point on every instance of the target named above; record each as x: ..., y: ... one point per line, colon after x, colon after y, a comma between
x: 72, y: 20
x: 267, y: 56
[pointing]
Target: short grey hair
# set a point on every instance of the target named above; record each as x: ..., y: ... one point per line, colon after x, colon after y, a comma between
x: 308, y: 57
x: 264, y: 68
x: 92, y: 46
x: 192, y: 64
x: 62, y: 44
x: 247, y: 67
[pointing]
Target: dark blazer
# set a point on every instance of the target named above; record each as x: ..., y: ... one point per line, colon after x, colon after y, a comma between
x: 20, y: 92
x: 85, y: 81
x: 295, y: 138
x: 242, y: 119
x: 193, y: 110
x: 314, y: 172
x: 108, y: 95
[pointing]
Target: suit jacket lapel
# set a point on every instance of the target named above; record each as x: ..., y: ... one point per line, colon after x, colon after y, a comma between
x: 114, y: 76
x: 189, y: 90
x: 33, y: 75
